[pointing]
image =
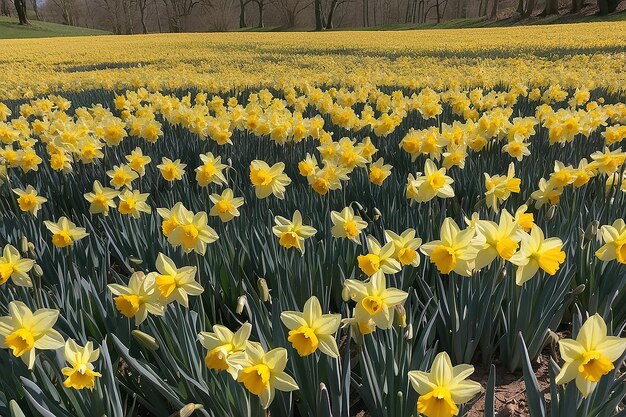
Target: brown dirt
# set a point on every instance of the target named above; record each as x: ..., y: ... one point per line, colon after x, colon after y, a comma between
x: 510, y: 390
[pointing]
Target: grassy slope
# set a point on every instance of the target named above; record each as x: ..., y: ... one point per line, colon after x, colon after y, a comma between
x: 10, y: 29
x: 466, y: 23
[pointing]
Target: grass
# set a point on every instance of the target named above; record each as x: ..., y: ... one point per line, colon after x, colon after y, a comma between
x: 10, y: 29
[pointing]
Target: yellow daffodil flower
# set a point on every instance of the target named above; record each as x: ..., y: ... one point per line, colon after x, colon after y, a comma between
x: 211, y: 171
x: 536, y: 253
x: 221, y: 343
x: 101, y: 199
x: 122, y: 176
x: 268, y: 180
x: 139, y: 298
x: 226, y: 205
x: 28, y: 200
x: 13, y: 266
x: 64, y: 232
x: 379, y: 259
x: 24, y: 331
x: 80, y: 374
x: 346, y: 224
x: 262, y: 373
x: 171, y: 170
x: 456, y: 250
x: 444, y: 388
x: 374, y: 300
x: 133, y: 203
x: 175, y: 284
x: 614, y: 247
x: 310, y: 329
x: 292, y: 233
x: 405, y: 246
x: 590, y: 356
x: 138, y: 161
x: 193, y: 233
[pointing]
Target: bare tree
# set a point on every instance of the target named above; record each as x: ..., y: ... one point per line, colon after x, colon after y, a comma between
x: 607, y: 6
x: 552, y: 7
x: 5, y: 10
x: 67, y: 11
x: 242, y: 13
x: 20, y: 6
x: 494, y: 10
x: 261, y: 4
x: 35, y: 9
x: 142, y: 6
x: 290, y: 9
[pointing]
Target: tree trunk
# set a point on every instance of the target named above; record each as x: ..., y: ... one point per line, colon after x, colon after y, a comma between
x: 520, y: 7
x: 366, y: 13
x: 36, y: 9
x: 552, y: 7
x: 331, y: 14
x: 20, y: 6
x: 437, y: 10
x: 158, y: 17
x: 494, y: 10
x: 530, y: 7
x: 607, y: 6
x: 261, y: 22
x: 4, y: 8
x: 577, y: 5
x: 143, y: 5
x: 318, y: 15
x: 242, y: 14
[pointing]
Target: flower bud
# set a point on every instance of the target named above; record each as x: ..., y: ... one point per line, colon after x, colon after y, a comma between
x: 550, y: 213
x: 188, y: 410
x: 38, y: 271
x: 591, y: 231
x: 408, y: 334
x: 264, y: 291
x: 145, y: 340
x: 135, y: 261
x: 24, y: 244
x: 578, y: 290
x: 400, y: 316
x: 241, y: 304
x: 376, y: 213
x: 31, y: 249
x: 345, y: 294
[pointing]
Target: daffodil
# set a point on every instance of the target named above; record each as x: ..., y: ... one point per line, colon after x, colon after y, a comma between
x: 433, y: 183
x: 138, y: 161
x: 193, y: 233
x: 221, y: 343
x: 346, y: 224
x: 374, y: 300
x: 548, y: 193
x: 173, y: 218
x: 590, y: 356
x: 405, y: 246
x: 310, y: 329
x: 171, y: 170
x: 456, y: 250
x: 262, y: 373
x: 28, y: 200
x: 292, y: 233
x: 268, y: 180
x: 614, y: 247
x: 524, y: 219
x: 80, y: 374
x: 211, y: 170
x: 444, y: 388
x: 133, y: 203
x: 308, y: 166
x: 501, y: 239
x: 64, y: 232
x: 24, y: 331
x: 13, y: 266
x: 226, y: 205
x: 379, y: 259
x: 608, y: 161
x: 536, y: 253
x: 101, y: 199
x: 175, y: 284
x: 139, y: 298
x: 562, y: 175
x: 379, y: 171
x: 122, y: 176
x: 499, y: 188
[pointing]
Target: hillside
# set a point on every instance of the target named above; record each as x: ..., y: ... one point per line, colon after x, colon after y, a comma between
x: 10, y: 29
